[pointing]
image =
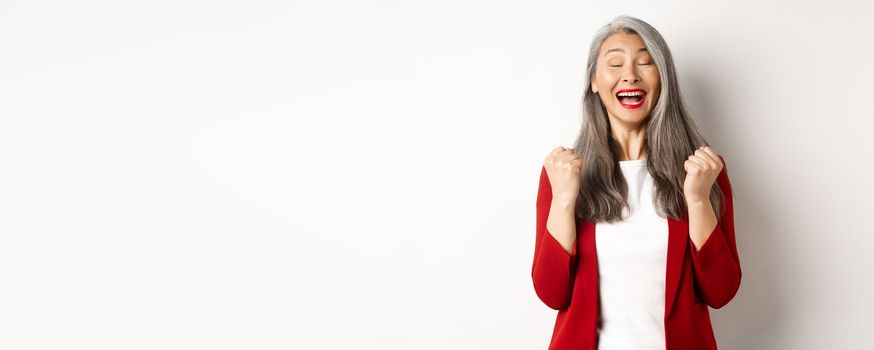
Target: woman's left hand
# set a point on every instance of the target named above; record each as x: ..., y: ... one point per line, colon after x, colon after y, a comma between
x: 701, y: 171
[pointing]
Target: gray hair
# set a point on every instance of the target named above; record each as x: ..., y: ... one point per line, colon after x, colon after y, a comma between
x: 671, y: 136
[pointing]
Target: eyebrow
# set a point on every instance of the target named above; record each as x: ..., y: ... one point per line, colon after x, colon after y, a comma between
x: 621, y: 50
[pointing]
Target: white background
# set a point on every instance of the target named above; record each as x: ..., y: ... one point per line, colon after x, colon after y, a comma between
x: 362, y: 174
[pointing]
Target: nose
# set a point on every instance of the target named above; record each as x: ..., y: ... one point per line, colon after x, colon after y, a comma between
x: 630, y: 75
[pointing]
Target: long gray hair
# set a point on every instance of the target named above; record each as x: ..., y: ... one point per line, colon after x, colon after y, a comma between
x: 671, y: 136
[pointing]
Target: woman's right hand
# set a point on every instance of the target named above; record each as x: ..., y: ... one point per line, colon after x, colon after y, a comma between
x: 563, y: 166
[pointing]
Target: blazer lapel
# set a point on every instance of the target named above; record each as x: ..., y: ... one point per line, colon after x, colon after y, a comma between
x: 678, y: 240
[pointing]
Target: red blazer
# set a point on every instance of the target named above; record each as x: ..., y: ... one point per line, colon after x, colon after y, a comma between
x: 695, y: 279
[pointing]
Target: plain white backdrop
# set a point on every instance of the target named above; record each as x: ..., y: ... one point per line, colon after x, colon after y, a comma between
x: 362, y: 175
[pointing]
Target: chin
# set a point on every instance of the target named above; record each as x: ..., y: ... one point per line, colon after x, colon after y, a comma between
x: 632, y: 117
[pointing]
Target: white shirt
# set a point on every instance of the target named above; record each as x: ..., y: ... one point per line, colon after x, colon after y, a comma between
x: 632, y: 259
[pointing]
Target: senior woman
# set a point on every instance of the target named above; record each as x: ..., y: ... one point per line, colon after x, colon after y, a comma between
x: 634, y: 230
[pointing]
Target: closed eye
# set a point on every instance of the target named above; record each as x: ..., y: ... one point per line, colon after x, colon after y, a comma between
x: 642, y: 64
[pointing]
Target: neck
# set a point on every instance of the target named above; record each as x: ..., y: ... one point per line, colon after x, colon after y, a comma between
x: 631, y: 140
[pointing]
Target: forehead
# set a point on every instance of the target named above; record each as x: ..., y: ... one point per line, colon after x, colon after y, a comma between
x: 622, y: 43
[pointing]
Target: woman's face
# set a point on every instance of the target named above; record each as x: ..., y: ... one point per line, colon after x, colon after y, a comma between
x: 624, y: 66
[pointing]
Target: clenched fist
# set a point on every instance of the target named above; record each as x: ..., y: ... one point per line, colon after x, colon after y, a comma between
x: 702, y: 168
x: 563, y: 166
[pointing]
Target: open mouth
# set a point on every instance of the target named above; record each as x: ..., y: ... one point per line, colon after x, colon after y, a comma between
x: 631, y: 98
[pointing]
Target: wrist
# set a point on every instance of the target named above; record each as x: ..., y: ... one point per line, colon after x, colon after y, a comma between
x: 563, y: 203
x: 697, y: 201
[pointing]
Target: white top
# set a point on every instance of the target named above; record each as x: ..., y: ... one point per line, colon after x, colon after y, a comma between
x: 632, y: 259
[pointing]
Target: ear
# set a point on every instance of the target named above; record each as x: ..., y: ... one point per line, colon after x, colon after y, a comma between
x: 594, y: 86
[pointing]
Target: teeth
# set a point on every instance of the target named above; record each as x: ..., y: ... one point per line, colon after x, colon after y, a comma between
x: 633, y: 93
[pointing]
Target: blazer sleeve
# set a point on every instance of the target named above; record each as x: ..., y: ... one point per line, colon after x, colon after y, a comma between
x: 553, y: 267
x: 717, y: 264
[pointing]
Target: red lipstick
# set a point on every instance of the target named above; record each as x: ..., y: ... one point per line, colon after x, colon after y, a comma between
x: 632, y: 105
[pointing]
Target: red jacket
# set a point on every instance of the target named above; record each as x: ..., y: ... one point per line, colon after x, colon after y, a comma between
x: 694, y: 280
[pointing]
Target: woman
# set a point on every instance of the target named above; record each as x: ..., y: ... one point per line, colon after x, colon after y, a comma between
x: 643, y: 177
